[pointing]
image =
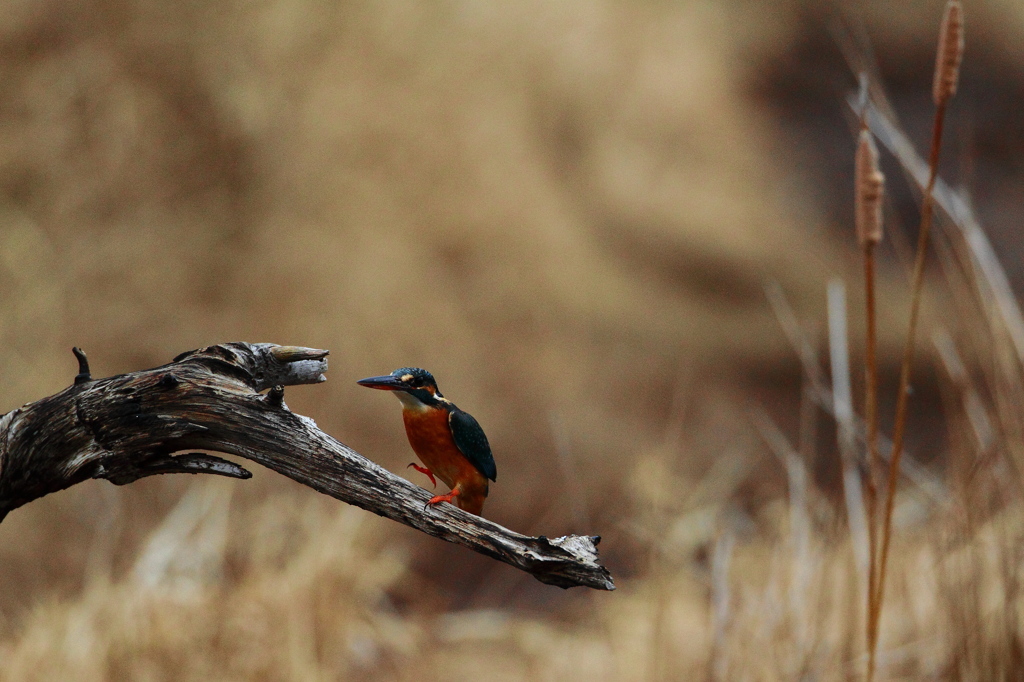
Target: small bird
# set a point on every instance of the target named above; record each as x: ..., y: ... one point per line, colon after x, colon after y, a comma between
x: 449, y: 441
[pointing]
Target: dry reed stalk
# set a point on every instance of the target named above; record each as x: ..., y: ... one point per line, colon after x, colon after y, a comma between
x: 869, y: 188
x: 947, y: 67
x: 842, y: 399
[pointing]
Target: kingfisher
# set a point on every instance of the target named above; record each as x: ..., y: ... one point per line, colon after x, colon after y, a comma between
x: 447, y: 440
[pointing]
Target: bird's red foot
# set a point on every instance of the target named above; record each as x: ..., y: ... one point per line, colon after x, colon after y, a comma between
x: 437, y: 499
x: 424, y: 470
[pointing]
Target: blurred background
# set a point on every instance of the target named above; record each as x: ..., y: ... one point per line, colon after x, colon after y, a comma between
x: 569, y: 213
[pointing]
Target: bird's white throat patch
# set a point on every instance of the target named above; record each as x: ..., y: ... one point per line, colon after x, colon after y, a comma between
x: 411, y: 402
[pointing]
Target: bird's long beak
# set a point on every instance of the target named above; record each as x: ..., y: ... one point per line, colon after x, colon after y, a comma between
x: 385, y: 383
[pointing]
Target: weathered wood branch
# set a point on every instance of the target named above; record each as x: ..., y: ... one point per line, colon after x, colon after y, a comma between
x: 126, y: 427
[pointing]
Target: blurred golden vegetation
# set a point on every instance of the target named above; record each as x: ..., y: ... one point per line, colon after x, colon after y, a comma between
x: 567, y: 212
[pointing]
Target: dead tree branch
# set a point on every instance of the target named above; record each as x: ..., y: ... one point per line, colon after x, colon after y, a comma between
x: 126, y: 427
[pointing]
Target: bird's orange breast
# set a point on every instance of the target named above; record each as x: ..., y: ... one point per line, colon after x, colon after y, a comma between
x: 431, y: 438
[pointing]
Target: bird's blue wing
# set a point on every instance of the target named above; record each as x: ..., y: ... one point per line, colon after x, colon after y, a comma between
x: 472, y: 442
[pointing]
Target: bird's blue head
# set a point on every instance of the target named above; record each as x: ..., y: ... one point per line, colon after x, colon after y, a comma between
x: 415, y: 387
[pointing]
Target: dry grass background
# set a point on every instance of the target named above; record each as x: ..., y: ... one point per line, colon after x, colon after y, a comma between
x: 567, y: 212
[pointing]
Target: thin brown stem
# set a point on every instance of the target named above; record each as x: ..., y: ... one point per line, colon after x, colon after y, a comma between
x: 871, y: 415
x: 869, y: 188
x: 903, y: 397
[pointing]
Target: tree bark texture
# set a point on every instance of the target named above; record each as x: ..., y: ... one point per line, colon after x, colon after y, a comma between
x: 126, y: 427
